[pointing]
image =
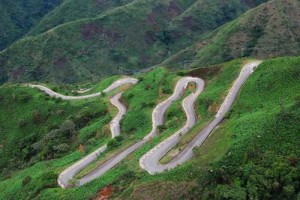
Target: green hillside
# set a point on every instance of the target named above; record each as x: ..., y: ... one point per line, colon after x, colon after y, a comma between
x: 17, y: 17
x: 71, y: 10
x: 268, y: 31
x: 126, y: 39
x: 35, y: 127
x: 234, y: 163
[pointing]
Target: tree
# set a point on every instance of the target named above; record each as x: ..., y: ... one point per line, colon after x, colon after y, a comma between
x: 119, y: 138
x: 113, y: 143
x: 61, y: 148
x: 68, y: 127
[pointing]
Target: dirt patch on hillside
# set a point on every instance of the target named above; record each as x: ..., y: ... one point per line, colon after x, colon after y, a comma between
x: 206, y: 72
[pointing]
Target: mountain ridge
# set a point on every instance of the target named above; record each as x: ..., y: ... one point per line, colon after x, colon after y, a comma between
x: 90, y: 49
x: 261, y: 32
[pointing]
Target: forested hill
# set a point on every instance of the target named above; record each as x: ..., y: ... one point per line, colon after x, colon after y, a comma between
x: 18, y: 17
x: 88, y: 40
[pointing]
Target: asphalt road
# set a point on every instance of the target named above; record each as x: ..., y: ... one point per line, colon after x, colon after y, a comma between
x: 150, y: 161
x: 113, y: 86
x: 115, y: 123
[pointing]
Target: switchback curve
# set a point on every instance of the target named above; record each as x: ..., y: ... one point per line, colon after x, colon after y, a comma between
x: 150, y: 161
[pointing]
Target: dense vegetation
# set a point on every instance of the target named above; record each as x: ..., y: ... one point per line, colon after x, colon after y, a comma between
x: 36, y: 127
x: 17, y: 17
x: 112, y: 38
x: 71, y: 10
x: 253, y: 154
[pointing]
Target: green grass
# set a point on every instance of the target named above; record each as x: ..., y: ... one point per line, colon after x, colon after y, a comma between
x: 71, y: 10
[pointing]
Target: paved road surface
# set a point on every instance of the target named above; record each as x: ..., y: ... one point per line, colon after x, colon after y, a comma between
x: 113, y: 86
x: 150, y: 161
x: 115, y: 123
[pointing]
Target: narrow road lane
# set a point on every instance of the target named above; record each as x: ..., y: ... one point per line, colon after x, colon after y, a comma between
x: 115, y: 123
x: 113, y: 86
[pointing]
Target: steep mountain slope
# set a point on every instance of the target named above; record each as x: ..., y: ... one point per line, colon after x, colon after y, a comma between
x: 131, y: 37
x: 71, y: 10
x: 204, y: 15
x: 270, y: 30
x: 265, y: 115
x: 17, y: 17
x: 252, y: 155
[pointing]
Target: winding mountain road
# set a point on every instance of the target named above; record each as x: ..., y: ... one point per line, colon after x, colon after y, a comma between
x: 64, y: 179
x: 113, y: 86
x: 150, y: 161
x: 157, y: 119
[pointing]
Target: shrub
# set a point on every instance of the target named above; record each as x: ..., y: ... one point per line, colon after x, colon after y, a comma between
x: 24, y: 98
x: 166, y: 90
x: 58, y: 100
x: 26, y: 180
x: 68, y: 127
x: 22, y: 123
x: 36, y: 117
x: 130, y: 95
x: 115, y: 142
x: 119, y: 138
x: 181, y: 73
x: 161, y: 128
x: 61, y: 148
